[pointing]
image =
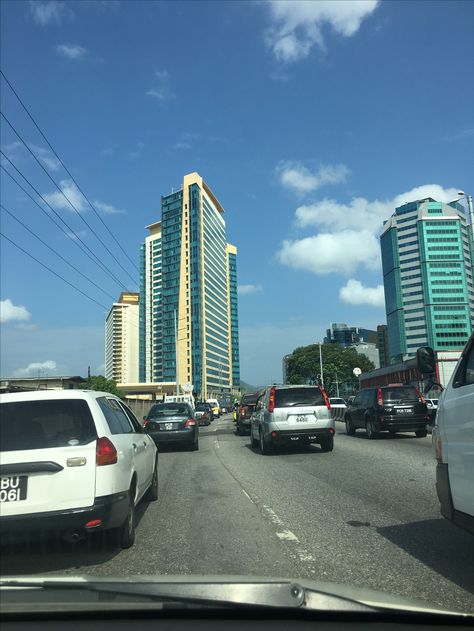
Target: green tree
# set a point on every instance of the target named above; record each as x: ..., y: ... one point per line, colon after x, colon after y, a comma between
x: 100, y: 383
x: 338, y: 364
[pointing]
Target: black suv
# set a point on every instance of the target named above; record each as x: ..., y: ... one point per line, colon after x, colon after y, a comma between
x: 245, y: 410
x: 395, y: 408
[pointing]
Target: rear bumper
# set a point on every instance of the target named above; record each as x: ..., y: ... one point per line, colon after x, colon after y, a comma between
x: 286, y: 437
x: 182, y: 436
x: 443, y: 489
x: 402, y: 424
x: 110, y: 509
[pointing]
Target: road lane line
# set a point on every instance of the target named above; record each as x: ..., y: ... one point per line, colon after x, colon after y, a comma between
x: 247, y: 496
x: 216, y: 443
x: 287, y: 535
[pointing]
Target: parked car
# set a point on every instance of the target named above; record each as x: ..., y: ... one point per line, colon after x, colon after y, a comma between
x: 216, y: 409
x: 73, y: 461
x: 202, y: 413
x: 393, y: 408
x: 453, y: 442
x: 338, y: 408
x: 173, y: 423
x: 245, y: 410
x: 287, y: 415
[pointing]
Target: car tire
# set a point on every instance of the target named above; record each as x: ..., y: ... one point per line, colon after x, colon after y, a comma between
x: 350, y: 429
x: 327, y: 444
x: 421, y: 433
x: 370, y: 429
x: 195, y: 445
x: 151, y: 494
x: 392, y: 432
x: 264, y: 446
x: 126, y: 532
x: 237, y: 429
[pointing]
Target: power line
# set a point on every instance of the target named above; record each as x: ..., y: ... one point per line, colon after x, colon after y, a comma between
x: 65, y: 196
x: 96, y: 259
x: 55, y: 252
x: 52, y: 271
x: 66, y: 169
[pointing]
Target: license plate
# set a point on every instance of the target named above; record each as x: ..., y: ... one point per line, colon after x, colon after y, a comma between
x: 169, y: 425
x: 294, y: 437
x: 13, y: 488
x: 301, y: 418
x: 404, y: 410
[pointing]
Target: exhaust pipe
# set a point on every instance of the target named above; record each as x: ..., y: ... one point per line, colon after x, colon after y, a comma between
x: 73, y: 536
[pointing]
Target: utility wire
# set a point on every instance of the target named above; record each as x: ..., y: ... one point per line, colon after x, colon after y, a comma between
x: 76, y: 238
x: 55, y: 252
x: 66, y: 197
x: 66, y: 169
x: 53, y: 272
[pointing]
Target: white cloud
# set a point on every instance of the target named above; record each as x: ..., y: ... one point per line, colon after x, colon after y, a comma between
x: 108, y: 209
x: 70, y: 190
x: 349, y: 237
x: 248, y: 289
x: 182, y: 145
x: 296, y: 25
x: 160, y: 89
x: 297, y: 177
x: 79, y: 234
x: 136, y: 153
x: 35, y: 368
x: 13, y: 313
x: 17, y: 150
x: 355, y: 293
x: 328, y: 253
x: 107, y: 151
x: 72, y: 51
x: 52, y: 12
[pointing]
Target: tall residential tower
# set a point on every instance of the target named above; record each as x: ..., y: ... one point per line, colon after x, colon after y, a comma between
x: 428, y: 277
x: 121, y: 339
x: 188, y: 294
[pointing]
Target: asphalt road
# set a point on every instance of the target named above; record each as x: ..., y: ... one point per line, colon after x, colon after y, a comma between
x: 365, y: 514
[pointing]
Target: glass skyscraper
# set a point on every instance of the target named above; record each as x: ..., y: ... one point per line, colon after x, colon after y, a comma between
x: 428, y: 277
x: 188, y: 294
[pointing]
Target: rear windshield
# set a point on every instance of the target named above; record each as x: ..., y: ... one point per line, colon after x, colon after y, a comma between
x: 291, y: 397
x: 337, y: 401
x: 202, y: 407
x: 43, y: 424
x: 169, y: 409
x: 249, y: 399
x: 406, y: 393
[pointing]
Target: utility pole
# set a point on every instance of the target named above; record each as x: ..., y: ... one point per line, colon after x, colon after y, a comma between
x: 337, y: 385
x: 88, y: 377
x: 321, y: 365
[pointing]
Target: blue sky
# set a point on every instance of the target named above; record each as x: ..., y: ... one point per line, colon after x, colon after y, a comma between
x: 310, y: 121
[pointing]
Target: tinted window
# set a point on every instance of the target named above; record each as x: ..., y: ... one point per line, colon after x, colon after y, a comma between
x: 406, y: 393
x: 337, y: 401
x: 169, y: 409
x: 114, y: 415
x: 248, y: 399
x: 201, y: 407
x: 43, y: 424
x: 470, y: 367
x: 288, y: 397
x: 137, y: 426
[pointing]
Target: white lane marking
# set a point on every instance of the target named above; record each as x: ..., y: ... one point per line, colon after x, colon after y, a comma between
x: 287, y: 535
x: 216, y: 443
x: 247, y: 495
x: 304, y: 555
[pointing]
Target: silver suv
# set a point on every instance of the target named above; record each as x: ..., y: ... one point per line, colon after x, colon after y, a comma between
x: 286, y: 415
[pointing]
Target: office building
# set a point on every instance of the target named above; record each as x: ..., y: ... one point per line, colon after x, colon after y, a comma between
x: 428, y: 279
x: 344, y: 335
x: 121, y: 339
x: 188, y: 294
x: 382, y: 345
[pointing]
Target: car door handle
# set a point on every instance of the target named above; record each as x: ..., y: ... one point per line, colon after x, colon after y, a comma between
x: 134, y: 446
x: 144, y: 445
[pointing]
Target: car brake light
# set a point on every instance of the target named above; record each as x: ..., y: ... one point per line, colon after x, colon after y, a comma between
x: 420, y: 396
x: 379, y: 396
x: 326, y: 399
x: 145, y: 422
x: 190, y: 423
x: 93, y: 523
x: 105, y: 452
x: 271, y: 401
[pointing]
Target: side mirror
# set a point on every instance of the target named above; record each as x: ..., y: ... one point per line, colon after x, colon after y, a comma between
x: 425, y: 360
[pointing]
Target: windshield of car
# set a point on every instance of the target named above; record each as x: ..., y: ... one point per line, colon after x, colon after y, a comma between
x: 169, y: 409
x: 203, y: 203
x: 400, y: 394
x: 289, y: 397
x: 28, y: 425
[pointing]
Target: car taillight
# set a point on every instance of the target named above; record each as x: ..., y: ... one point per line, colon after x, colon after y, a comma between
x: 271, y: 401
x: 190, y: 423
x: 105, y: 452
x: 326, y: 399
x: 379, y: 397
x: 243, y: 410
x: 420, y: 396
x: 145, y: 422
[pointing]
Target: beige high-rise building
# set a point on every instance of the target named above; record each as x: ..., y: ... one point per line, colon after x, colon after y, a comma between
x: 121, y: 339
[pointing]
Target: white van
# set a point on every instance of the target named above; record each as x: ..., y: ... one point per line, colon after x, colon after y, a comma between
x: 453, y: 442
x: 180, y: 398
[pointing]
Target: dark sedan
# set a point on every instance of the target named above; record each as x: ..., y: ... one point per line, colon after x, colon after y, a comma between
x: 172, y: 423
x: 203, y: 413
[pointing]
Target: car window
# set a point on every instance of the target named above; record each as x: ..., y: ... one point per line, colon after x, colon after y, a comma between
x: 289, y: 397
x: 169, y: 409
x: 337, y: 401
x: 469, y: 378
x: 115, y: 416
x: 137, y: 426
x: 406, y: 393
x: 44, y: 424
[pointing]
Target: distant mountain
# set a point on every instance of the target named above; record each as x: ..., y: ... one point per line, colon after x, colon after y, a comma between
x: 247, y: 387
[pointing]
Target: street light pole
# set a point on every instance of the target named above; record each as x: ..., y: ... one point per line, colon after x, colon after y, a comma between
x: 321, y: 365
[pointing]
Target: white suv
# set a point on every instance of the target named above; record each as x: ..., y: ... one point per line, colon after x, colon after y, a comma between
x: 75, y: 462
